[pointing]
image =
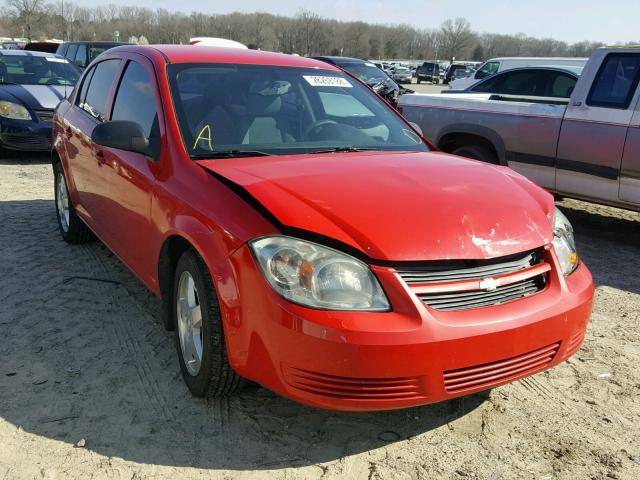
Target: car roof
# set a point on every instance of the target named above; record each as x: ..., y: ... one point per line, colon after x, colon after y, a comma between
x: 27, y: 53
x: 340, y: 60
x: 206, y: 54
x: 98, y: 42
x: 563, y: 68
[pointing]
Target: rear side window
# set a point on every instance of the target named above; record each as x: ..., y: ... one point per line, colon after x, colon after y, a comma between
x: 561, y: 85
x: 81, y: 56
x: 62, y: 49
x: 71, y: 53
x: 135, y: 100
x: 95, y: 101
x: 616, y: 81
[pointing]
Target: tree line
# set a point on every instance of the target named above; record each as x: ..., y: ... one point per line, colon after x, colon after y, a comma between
x: 305, y: 33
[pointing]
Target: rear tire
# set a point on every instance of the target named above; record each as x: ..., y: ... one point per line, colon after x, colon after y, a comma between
x: 477, y: 152
x: 72, y: 228
x: 199, y: 333
x: 418, y: 80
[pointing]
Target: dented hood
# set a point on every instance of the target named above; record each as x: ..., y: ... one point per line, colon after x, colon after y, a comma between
x: 399, y: 206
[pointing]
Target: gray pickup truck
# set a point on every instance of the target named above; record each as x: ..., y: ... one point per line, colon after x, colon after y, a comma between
x: 585, y: 146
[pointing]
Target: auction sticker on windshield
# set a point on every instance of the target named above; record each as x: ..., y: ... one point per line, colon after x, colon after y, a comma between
x: 325, y: 81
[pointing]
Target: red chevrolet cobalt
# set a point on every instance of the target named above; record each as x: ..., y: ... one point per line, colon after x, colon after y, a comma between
x: 303, y: 235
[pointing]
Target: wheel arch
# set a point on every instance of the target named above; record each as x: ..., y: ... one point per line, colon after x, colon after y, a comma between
x: 175, y: 243
x: 459, y: 135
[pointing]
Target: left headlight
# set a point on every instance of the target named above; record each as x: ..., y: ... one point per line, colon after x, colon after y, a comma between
x: 564, y: 243
x: 14, y: 111
x: 318, y: 277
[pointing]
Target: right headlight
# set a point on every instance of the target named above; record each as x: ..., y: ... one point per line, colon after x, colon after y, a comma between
x: 14, y: 111
x: 564, y: 243
x: 316, y: 276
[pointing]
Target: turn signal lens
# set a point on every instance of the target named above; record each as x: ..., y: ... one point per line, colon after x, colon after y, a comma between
x: 564, y: 243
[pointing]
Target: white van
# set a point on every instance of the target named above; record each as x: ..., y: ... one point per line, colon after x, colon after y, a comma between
x: 495, y: 65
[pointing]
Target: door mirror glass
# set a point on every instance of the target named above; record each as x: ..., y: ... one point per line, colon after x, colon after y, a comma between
x: 123, y: 135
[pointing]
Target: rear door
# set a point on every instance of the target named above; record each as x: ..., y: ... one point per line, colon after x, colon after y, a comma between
x: 89, y: 109
x: 128, y: 178
x: 595, y: 125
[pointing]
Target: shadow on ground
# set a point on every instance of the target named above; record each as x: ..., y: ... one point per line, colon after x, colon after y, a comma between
x: 84, y: 356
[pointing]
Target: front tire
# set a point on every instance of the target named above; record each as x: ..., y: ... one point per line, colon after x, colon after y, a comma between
x: 199, y: 333
x: 72, y: 228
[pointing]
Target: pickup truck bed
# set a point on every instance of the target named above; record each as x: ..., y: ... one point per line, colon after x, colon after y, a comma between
x: 585, y: 147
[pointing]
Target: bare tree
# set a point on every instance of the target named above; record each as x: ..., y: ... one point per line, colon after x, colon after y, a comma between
x: 26, y: 13
x: 456, y: 39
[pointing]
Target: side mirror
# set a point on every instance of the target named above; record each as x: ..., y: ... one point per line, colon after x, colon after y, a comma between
x: 417, y: 128
x: 123, y: 135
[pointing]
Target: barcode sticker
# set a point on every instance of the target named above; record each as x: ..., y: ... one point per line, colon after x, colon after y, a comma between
x: 324, y: 81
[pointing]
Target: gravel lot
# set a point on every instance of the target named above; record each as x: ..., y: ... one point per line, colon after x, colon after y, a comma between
x: 90, y: 386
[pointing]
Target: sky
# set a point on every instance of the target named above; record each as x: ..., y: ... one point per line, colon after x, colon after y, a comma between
x: 609, y: 21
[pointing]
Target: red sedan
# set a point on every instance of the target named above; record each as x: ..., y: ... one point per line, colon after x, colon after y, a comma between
x: 303, y: 235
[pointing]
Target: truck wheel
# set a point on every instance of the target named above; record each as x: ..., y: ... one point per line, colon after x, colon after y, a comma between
x: 477, y: 152
x: 199, y: 334
x: 72, y: 228
x: 436, y: 81
x: 418, y: 80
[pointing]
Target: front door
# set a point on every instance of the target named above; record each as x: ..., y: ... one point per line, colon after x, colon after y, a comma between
x: 594, y: 130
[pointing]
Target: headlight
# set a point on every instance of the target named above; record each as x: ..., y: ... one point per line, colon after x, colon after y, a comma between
x: 14, y: 111
x: 317, y: 276
x: 563, y: 243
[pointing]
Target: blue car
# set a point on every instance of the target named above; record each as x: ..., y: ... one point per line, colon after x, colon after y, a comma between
x: 31, y: 86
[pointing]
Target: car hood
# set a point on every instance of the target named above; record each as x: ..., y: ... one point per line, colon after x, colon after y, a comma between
x: 34, y: 96
x: 399, y: 206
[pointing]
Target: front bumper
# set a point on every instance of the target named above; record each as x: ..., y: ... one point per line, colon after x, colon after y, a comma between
x: 25, y: 135
x: 410, y: 356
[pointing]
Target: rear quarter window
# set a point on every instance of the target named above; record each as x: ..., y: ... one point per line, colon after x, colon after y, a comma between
x: 616, y: 81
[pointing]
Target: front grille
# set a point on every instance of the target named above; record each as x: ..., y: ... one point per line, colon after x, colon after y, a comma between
x: 26, y: 141
x: 482, y: 298
x: 467, y: 269
x: 44, y: 115
x: 458, y: 285
x: 352, y: 387
x: 488, y: 374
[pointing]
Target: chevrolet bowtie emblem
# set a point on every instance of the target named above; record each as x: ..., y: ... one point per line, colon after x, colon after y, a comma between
x: 489, y: 284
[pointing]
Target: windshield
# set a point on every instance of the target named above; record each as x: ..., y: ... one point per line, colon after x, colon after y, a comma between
x: 280, y: 111
x: 37, y: 70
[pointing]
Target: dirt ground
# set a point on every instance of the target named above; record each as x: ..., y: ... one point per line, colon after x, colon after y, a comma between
x: 90, y: 386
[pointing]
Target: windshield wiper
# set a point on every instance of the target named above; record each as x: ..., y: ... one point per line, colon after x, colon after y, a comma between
x: 230, y: 154
x: 346, y: 149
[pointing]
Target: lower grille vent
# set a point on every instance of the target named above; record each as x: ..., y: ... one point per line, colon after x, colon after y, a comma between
x: 500, y: 371
x: 353, y: 388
